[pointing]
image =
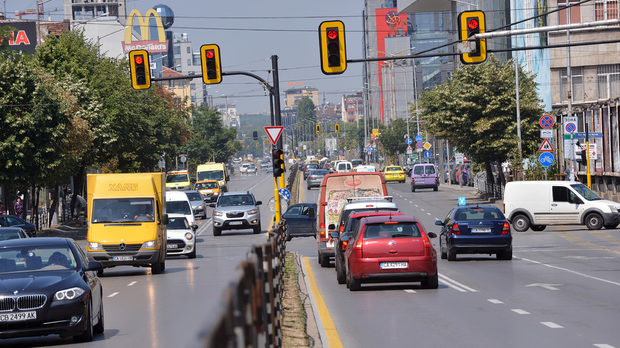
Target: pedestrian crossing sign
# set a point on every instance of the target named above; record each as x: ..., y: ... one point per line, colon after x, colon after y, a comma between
x: 462, y: 201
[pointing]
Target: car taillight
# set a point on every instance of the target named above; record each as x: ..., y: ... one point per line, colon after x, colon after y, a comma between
x: 455, y: 229
x: 427, y: 242
x: 341, y: 228
x: 358, y: 245
x: 344, y: 245
x: 506, y: 229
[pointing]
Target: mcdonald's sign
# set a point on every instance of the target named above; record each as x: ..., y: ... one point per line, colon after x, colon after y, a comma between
x: 146, y: 43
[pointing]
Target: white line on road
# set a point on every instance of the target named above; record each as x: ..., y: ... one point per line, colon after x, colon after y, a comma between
x: 411, y: 291
x: 571, y: 271
x: 132, y: 283
x: 416, y: 205
x: 519, y: 311
x: 552, y: 325
x: 422, y: 209
x: 428, y: 213
x: 603, y: 345
x: 452, y: 286
x: 113, y: 294
x: 467, y: 288
x: 495, y: 301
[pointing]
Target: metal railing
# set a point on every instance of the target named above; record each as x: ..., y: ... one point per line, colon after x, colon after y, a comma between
x: 488, y: 188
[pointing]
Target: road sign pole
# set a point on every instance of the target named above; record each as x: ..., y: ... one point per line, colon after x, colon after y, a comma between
x: 276, y: 92
x: 589, y: 177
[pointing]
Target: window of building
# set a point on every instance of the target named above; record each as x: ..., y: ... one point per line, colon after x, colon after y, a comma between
x: 189, y: 62
x: 575, y: 12
x: 189, y: 49
x: 177, y: 50
x: 608, y: 81
x: 605, y: 9
x: 577, y: 86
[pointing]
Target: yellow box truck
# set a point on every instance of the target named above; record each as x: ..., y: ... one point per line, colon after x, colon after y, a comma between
x: 213, y: 171
x: 127, y: 220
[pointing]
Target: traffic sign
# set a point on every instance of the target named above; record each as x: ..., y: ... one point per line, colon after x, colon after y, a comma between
x: 582, y: 135
x: 375, y: 132
x: 545, y: 146
x: 462, y: 201
x: 546, y: 121
x: 408, y: 141
x: 409, y: 150
x: 284, y: 193
x: 427, y: 145
x: 427, y: 154
x: 274, y: 133
x: 546, y: 159
x: 419, y: 145
x: 546, y: 133
x: 570, y: 125
x: 418, y: 138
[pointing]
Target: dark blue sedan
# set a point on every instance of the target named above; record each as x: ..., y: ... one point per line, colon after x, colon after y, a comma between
x: 14, y: 221
x: 475, y: 230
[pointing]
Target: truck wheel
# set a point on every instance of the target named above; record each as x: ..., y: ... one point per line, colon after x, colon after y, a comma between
x: 538, y: 228
x: 594, y: 221
x: 521, y: 223
x: 158, y: 267
x: 217, y: 231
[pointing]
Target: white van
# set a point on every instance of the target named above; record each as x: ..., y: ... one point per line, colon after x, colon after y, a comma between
x: 343, y: 167
x: 536, y: 204
x: 178, y: 203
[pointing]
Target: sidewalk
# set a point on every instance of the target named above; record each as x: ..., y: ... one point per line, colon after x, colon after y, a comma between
x: 473, y: 196
x: 72, y: 229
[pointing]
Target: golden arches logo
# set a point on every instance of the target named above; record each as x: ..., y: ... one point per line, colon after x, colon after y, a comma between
x: 145, y: 42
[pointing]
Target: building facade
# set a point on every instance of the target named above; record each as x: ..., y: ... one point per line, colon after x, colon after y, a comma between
x: 293, y: 95
x: 352, y: 109
x: 187, y: 61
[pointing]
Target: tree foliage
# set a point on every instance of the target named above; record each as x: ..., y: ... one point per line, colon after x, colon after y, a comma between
x: 306, y: 115
x: 392, y: 138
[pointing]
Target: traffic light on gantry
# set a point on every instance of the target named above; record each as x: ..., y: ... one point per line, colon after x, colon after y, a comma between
x: 277, y: 160
x: 140, y: 69
x: 211, y: 67
x: 470, y: 24
x: 333, y: 48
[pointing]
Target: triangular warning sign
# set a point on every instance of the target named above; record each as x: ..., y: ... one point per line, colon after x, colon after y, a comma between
x: 274, y: 133
x: 545, y: 146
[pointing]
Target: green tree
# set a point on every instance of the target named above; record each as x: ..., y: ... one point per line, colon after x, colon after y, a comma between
x: 476, y: 111
x: 392, y: 138
x: 306, y: 115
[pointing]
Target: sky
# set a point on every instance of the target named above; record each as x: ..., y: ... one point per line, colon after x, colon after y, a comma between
x: 245, y: 46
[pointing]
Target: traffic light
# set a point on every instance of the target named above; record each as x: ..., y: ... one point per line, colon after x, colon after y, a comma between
x: 211, y: 67
x: 333, y: 47
x: 317, y: 129
x: 336, y: 128
x: 580, y: 154
x: 472, y: 23
x: 140, y: 69
x: 255, y: 135
x: 277, y: 159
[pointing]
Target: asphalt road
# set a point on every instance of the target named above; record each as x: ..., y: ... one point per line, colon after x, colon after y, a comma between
x: 560, y: 290
x: 169, y: 309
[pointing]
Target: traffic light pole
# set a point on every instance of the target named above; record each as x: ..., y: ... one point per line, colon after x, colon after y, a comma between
x: 276, y: 104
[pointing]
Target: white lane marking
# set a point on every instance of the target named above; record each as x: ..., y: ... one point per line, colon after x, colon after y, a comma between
x: 544, y: 286
x: 571, y: 271
x: 451, y: 285
x: 132, y: 283
x: 552, y: 325
x: 411, y: 291
x: 428, y: 213
x: 412, y: 202
x: 113, y: 294
x: 603, y: 345
x: 495, y: 301
x: 416, y: 205
x: 436, y: 218
x: 422, y: 209
x: 519, y: 311
x: 467, y: 288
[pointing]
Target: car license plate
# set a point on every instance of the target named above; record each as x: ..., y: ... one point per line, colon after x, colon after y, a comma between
x: 122, y: 258
x: 330, y: 243
x: 18, y: 316
x: 480, y: 230
x: 393, y: 265
x: 173, y: 246
x: 236, y: 223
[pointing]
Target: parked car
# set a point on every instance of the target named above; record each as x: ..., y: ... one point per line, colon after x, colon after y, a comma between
x: 49, y: 287
x: 315, y: 178
x: 424, y: 175
x: 300, y: 220
x: 461, y: 174
x: 181, y: 236
x: 394, y: 173
x: 14, y: 221
x: 236, y: 211
x: 7, y: 233
x: 475, y: 230
x: 197, y: 203
x: 391, y: 249
x: 536, y: 204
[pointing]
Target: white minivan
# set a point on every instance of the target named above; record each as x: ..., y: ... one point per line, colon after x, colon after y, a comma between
x: 343, y: 167
x: 536, y: 204
x: 178, y: 203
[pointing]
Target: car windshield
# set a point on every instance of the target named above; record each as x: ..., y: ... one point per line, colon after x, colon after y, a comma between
x: 178, y: 207
x: 585, y: 192
x: 391, y: 230
x: 9, y: 234
x: 177, y: 223
x: 345, y: 213
x: 123, y: 210
x: 36, y: 258
x: 194, y: 196
x: 393, y: 169
x: 235, y: 200
x: 177, y: 178
x: 478, y: 213
x: 206, y: 185
x: 211, y: 175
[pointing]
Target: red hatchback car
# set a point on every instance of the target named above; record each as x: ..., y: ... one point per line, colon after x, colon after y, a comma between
x: 391, y: 249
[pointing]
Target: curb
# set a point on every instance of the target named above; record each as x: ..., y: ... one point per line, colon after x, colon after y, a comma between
x: 314, y: 326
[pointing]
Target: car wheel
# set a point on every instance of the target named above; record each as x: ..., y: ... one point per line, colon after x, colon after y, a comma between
x: 258, y: 229
x: 521, y: 223
x: 538, y: 228
x: 288, y: 235
x: 594, y: 221
x: 87, y: 335
x: 354, y: 284
x: 435, y: 188
x: 505, y: 254
x: 341, y: 276
x: 100, y: 273
x: 192, y: 255
x: 611, y: 226
x: 308, y: 188
x: 158, y: 267
x: 431, y: 282
x: 99, y: 328
x: 444, y: 254
x: 217, y: 231
x: 324, y: 260
x: 412, y: 188
x: 451, y: 254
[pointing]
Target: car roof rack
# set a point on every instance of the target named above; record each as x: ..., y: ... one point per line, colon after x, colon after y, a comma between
x: 370, y: 198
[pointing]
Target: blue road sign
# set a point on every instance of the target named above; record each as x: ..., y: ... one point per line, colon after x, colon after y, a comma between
x: 408, y: 141
x: 419, y: 145
x: 582, y: 135
x: 427, y: 154
x: 462, y: 201
x: 418, y: 138
x: 570, y: 128
x: 546, y: 159
x: 284, y: 193
x: 546, y: 121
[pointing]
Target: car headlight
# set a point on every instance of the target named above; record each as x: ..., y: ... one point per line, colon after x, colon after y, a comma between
x: 189, y: 236
x: 253, y: 211
x: 149, y: 245
x: 218, y: 213
x: 95, y: 246
x: 68, y: 294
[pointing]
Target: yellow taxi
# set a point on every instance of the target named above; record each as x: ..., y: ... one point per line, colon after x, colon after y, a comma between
x: 209, y: 190
x: 394, y: 173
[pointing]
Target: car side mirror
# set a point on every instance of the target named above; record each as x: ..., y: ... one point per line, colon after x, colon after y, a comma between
x: 331, y: 226
x: 194, y: 227
x: 212, y: 205
x: 438, y: 223
x: 164, y: 219
x: 334, y: 235
x: 259, y: 202
x: 432, y: 235
x: 94, y: 266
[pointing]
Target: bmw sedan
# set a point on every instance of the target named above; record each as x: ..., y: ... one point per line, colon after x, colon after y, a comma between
x: 48, y: 286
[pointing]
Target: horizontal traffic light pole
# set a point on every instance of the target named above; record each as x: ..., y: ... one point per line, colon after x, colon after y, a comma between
x: 560, y: 27
x: 186, y: 77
